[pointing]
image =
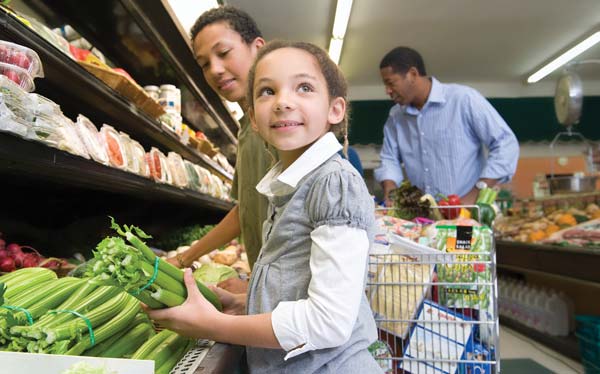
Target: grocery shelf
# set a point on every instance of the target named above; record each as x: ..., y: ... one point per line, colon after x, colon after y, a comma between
x: 32, y: 159
x: 78, y: 91
x: 566, y: 345
x: 143, y: 38
x: 572, y: 262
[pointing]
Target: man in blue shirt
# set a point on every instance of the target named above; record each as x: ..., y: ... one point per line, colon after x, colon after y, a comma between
x: 448, y: 137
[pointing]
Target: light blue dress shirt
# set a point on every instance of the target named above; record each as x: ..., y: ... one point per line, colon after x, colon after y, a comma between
x: 447, y: 146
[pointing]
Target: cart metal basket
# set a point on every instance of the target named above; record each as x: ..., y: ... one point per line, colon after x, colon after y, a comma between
x: 436, y: 310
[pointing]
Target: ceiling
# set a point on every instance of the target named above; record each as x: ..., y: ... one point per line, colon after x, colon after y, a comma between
x: 491, y: 45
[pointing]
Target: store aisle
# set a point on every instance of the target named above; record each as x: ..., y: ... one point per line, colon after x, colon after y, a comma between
x: 514, y: 345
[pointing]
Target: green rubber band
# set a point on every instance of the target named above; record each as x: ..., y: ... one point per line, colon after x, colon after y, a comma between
x: 152, y: 279
x: 27, y: 314
x: 84, y: 318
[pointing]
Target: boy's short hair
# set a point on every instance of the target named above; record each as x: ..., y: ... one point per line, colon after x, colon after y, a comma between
x: 240, y: 22
x: 401, y: 59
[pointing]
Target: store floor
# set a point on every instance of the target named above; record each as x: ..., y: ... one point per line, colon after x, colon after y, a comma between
x: 521, y: 355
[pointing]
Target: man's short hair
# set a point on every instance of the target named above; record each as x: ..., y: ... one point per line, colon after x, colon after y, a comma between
x: 401, y: 59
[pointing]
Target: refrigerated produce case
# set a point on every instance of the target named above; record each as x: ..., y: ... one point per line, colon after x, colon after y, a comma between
x: 58, y: 201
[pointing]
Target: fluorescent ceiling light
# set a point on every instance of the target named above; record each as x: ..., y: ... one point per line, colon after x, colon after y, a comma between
x: 188, y: 11
x: 565, y: 57
x: 340, y: 24
x: 342, y: 15
x: 335, y: 49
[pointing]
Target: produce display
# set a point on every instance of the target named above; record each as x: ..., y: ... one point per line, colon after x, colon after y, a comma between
x: 572, y: 226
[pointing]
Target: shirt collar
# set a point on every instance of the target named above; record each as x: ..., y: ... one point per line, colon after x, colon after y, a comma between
x: 278, y: 183
x: 436, y: 95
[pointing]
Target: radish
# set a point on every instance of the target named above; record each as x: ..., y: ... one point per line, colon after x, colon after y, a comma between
x: 3, y: 253
x: 13, y: 249
x: 30, y: 260
x: 7, y: 264
x: 2, y: 244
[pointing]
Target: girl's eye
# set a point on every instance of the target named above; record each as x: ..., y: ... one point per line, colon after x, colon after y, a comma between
x: 305, y: 87
x: 224, y: 53
x: 265, y: 91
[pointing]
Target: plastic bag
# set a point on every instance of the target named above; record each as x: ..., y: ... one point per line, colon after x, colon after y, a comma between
x: 91, y: 139
x: 17, y: 75
x: 177, y: 169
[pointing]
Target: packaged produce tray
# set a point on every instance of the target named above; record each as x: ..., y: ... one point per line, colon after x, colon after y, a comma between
x: 27, y: 363
x: 125, y: 87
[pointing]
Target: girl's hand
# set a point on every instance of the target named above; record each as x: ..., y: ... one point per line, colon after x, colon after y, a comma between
x: 234, y: 304
x: 234, y: 285
x: 195, y: 318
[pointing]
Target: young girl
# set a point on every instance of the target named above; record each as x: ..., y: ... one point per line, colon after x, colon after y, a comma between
x: 306, y: 307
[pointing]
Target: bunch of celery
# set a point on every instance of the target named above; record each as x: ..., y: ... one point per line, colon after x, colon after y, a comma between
x: 19, y: 281
x: 124, y: 343
x: 166, y: 349
x: 105, y: 311
x: 134, y: 267
x: 28, y: 306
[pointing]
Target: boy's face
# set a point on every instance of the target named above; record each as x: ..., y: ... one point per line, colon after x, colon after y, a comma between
x: 225, y: 59
x: 292, y: 108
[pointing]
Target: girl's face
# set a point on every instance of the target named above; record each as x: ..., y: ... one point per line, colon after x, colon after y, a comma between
x: 292, y: 108
x: 225, y: 59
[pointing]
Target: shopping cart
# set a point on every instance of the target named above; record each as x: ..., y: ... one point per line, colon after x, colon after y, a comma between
x: 436, y: 308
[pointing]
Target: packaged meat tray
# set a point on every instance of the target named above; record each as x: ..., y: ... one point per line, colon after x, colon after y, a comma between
x: 114, y: 148
x: 91, y: 139
x: 22, y: 57
x: 159, y: 169
x: 17, y: 75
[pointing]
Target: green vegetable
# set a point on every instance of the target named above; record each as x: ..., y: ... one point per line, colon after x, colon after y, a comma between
x: 408, y: 204
x: 487, y: 196
x: 183, y: 236
x: 2, y: 290
x: 132, y: 267
x: 485, y: 215
x: 214, y: 273
x: 580, y: 218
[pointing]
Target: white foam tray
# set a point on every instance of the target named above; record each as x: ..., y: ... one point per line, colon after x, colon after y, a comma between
x: 35, y: 363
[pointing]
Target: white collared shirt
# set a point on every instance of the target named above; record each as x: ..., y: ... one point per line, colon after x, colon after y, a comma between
x: 337, y: 264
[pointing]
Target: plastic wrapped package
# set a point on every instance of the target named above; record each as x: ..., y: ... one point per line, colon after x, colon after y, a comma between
x: 45, y: 128
x: 42, y: 105
x: 192, y: 176
x: 22, y: 57
x: 131, y: 162
x: 91, y: 139
x: 9, y: 122
x: 17, y: 75
x: 70, y: 140
x: 158, y: 166
x: 16, y: 99
x: 112, y: 143
x: 205, y: 180
x: 177, y: 169
x: 220, y: 191
x: 138, y: 152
